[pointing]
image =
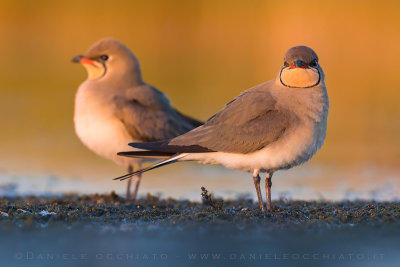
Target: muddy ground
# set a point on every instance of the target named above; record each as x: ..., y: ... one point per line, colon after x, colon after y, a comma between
x: 104, y: 230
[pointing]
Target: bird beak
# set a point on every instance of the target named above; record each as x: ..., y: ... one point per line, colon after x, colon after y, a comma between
x: 77, y: 59
x: 82, y: 59
x: 299, y: 64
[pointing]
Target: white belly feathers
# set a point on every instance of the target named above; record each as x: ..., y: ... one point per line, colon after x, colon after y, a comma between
x: 99, y: 130
x: 295, y: 148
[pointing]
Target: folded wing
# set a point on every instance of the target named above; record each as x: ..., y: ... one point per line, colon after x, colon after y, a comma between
x: 148, y: 115
x: 248, y: 123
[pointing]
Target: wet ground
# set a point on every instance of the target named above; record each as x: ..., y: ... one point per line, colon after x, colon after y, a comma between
x: 81, y: 230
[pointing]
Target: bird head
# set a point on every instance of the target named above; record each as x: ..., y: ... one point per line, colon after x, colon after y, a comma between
x: 109, y: 58
x: 301, y: 68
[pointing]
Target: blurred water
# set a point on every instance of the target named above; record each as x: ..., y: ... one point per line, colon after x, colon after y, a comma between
x: 308, y: 182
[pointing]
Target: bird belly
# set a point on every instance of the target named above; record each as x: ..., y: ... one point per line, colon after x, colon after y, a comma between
x: 290, y: 150
x: 101, y: 132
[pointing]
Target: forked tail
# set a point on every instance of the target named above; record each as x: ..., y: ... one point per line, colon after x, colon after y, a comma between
x: 155, y: 166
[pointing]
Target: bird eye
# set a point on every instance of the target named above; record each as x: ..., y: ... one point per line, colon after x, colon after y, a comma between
x: 104, y: 57
x: 314, y: 63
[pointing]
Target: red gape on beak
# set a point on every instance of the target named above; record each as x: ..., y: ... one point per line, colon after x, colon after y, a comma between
x: 85, y: 60
x: 81, y: 59
x: 299, y: 64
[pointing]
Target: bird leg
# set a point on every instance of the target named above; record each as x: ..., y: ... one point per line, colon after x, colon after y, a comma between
x: 128, y: 188
x: 256, y: 179
x: 268, y: 185
x: 137, y: 181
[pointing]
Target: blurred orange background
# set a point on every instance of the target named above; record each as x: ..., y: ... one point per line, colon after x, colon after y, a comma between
x: 201, y: 54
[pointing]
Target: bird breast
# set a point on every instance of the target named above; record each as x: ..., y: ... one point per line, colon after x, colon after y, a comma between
x: 97, y: 128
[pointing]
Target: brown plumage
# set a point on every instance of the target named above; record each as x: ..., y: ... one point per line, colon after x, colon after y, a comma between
x: 114, y: 106
x: 275, y: 125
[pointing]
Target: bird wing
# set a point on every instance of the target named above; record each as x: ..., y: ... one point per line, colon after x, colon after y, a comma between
x: 148, y: 115
x: 247, y: 124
